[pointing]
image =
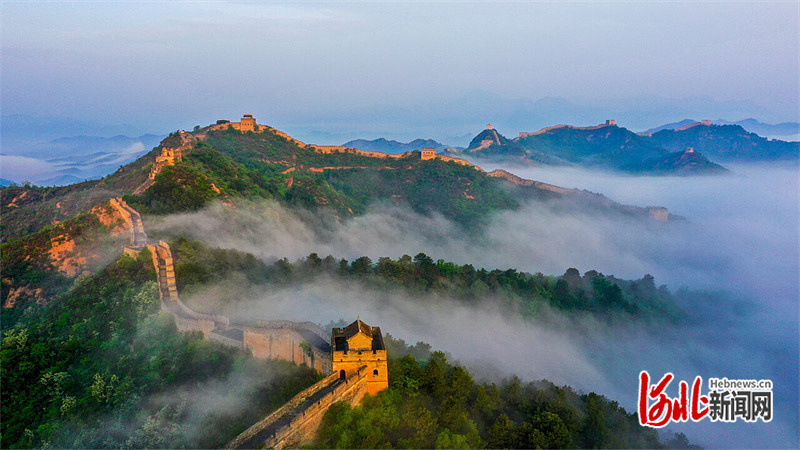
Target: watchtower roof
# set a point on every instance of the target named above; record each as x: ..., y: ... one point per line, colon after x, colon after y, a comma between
x: 341, y: 335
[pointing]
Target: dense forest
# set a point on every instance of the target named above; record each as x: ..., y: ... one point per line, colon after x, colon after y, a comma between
x: 102, y: 367
x: 432, y: 403
x: 591, y: 293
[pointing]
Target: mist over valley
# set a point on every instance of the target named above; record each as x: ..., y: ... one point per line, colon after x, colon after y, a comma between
x: 737, y: 244
x: 399, y: 224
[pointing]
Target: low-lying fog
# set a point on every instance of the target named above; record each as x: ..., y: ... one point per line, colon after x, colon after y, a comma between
x: 741, y: 236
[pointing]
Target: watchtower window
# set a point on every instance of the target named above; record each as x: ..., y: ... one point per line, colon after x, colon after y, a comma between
x: 375, y: 372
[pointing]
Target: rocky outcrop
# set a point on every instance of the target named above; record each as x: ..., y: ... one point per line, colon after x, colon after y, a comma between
x: 65, y: 257
x: 24, y: 292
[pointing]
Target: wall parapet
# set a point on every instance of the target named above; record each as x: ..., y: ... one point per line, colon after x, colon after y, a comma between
x: 309, y: 326
x: 273, y: 417
x: 303, y: 426
x: 133, y: 221
x: 523, y: 135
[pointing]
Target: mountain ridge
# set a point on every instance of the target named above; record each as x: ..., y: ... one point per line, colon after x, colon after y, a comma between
x: 392, y: 146
x: 604, y: 146
x: 609, y: 146
x: 223, y: 163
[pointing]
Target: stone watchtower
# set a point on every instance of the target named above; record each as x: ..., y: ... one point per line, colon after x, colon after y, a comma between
x: 358, y: 345
x: 427, y: 153
x: 248, y: 123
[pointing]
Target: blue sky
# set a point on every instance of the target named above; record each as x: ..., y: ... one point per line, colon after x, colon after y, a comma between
x: 378, y: 67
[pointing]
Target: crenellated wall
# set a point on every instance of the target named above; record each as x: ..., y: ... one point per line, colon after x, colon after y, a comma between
x: 185, y: 318
x: 296, y: 423
x: 303, y: 429
x: 168, y: 156
x: 608, y: 123
x: 300, y: 343
x: 309, y: 326
x: 132, y: 220
x: 500, y: 173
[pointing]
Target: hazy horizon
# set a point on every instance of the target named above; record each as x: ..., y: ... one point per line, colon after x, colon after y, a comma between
x: 327, y: 71
x: 330, y: 72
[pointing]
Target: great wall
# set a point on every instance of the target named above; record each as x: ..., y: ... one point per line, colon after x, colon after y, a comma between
x: 608, y: 123
x: 354, y: 357
x: 248, y: 123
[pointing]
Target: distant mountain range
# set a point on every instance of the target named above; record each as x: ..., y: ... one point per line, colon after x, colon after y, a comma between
x: 686, y: 147
x: 69, y: 160
x: 217, y: 162
x: 53, y: 160
x: 785, y: 129
x: 682, y: 148
x: 386, y: 146
x: 726, y: 143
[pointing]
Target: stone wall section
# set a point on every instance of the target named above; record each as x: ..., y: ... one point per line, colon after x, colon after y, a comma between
x: 303, y: 429
x: 500, y: 173
x: 268, y: 340
x: 309, y: 326
x: 185, y: 318
x: 296, y: 423
x: 300, y: 343
x: 706, y: 123
x: 169, y: 156
x: 133, y: 221
x: 609, y: 123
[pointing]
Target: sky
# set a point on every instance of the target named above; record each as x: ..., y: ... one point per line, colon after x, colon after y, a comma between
x: 327, y: 72
x: 399, y: 69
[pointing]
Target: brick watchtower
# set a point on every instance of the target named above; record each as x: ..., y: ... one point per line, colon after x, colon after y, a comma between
x: 248, y: 123
x: 427, y: 153
x: 358, y: 345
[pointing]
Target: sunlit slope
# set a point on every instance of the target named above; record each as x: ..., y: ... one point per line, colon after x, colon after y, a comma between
x: 189, y: 170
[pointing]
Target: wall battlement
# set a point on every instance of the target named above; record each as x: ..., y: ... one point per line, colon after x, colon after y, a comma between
x: 247, y: 125
x: 608, y: 123
x: 508, y: 176
x: 705, y: 123
x: 309, y: 326
x: 306, y: 410
x: 133, y: 221
x: 169, y: 156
